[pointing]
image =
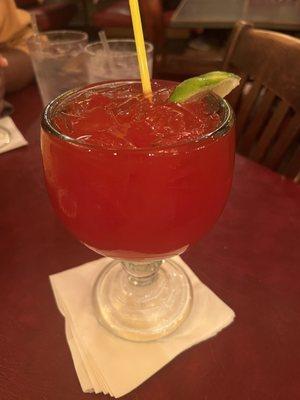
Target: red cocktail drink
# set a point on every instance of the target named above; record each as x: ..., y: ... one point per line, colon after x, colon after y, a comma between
x: 136, y: 179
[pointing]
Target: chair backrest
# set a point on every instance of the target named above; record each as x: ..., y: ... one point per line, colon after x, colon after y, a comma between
x: 267, y: 102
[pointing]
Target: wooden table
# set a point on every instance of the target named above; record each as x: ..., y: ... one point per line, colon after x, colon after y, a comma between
x: 251, y: 259
x: 268, y: 14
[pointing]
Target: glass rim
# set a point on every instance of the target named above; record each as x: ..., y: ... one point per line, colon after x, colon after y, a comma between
x: 81, y: 36
x: 48, y: 127
x: 131, y: 41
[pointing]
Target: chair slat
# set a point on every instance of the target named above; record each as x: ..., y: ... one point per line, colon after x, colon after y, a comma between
x: 277, y: 152
x: 257, y: 122
x: 247, y: 102
x: 258, y: 152
x: 234, y: 97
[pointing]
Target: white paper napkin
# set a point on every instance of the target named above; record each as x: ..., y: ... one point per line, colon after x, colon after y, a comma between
x: 16, y: 139
x: 108, y: 364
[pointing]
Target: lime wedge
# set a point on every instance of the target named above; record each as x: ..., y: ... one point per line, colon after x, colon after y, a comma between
x: 219, y: 82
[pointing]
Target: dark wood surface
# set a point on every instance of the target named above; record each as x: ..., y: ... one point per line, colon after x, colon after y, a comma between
x: 270, y: 14
x: 250, y: 259
x: 267, y: 102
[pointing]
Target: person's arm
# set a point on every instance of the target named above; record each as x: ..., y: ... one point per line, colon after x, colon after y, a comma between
x: 15, y: 30
x: 19, y: 71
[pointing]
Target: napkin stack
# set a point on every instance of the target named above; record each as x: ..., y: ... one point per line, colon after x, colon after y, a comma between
x: 16, y: 139
x: 108, y: 364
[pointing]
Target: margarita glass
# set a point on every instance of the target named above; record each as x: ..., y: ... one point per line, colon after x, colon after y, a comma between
x: 139, y: 181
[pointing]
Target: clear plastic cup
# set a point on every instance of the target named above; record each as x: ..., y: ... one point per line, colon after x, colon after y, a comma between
x: 58, y: 61
x: 120, y: 62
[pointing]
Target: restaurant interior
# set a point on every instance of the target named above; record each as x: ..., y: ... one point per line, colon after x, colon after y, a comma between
x: 149, y: 199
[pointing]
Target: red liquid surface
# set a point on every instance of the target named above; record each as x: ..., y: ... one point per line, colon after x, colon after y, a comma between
x: 143, y: 179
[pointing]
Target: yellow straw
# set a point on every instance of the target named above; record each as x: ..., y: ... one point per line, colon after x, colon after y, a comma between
x: 140, y: 46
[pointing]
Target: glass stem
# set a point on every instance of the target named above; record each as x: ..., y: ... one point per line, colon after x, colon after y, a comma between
x: 141, y: 273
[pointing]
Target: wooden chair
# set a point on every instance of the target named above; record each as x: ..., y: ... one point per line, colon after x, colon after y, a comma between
x: 267, y: 102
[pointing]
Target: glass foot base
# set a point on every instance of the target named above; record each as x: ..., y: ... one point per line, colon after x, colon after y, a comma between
x: 142, y: 312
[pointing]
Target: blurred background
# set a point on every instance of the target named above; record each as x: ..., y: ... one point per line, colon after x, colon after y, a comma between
x: 257, y: 39
x: 189, y: 36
